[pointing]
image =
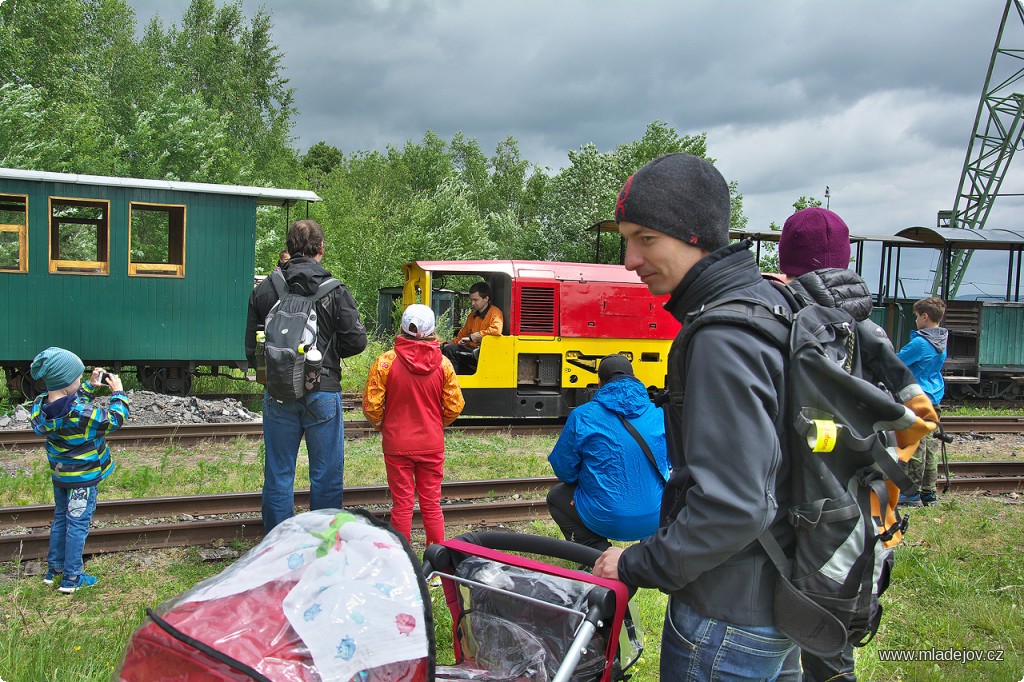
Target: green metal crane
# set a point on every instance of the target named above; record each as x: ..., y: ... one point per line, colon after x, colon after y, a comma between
x: 997, y: 135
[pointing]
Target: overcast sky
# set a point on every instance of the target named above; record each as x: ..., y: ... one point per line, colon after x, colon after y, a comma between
x: 875, y: 99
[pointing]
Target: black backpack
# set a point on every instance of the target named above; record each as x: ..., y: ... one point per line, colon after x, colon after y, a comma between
x: 844, y: 469
x: 291, y: 331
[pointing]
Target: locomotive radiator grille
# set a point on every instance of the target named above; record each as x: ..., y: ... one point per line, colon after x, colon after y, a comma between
x: 537, y: 311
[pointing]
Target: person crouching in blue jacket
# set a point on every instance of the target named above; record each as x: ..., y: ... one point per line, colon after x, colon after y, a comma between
x: 610, y: 489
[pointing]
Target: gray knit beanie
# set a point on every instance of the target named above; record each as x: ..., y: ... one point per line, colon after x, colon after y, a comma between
x: 57, y: 367
x: 681, y: 195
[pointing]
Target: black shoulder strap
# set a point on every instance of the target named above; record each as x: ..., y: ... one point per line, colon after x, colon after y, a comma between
x: 772, y: 322
x: 280, y: 284
x: 326, y: 287
x: 643, y: 445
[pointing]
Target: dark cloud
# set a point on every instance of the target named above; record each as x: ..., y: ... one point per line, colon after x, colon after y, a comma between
x: 875, y: 98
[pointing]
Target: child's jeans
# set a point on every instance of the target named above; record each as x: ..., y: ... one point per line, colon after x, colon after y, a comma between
x: 72, y: 512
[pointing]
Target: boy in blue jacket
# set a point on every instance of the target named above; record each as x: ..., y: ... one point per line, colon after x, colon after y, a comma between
x: 77, y: 450
x: 925, y: 354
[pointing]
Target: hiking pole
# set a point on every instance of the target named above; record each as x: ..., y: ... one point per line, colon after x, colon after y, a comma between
x: 944, y: 438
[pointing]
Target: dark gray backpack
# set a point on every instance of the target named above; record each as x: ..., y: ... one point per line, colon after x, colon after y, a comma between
x: 291, y: 330
x: 844, y: 471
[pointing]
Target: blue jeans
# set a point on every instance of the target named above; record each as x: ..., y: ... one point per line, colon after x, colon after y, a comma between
x: 319, y: 416
x: 72, y: 513
x: 699, y: 649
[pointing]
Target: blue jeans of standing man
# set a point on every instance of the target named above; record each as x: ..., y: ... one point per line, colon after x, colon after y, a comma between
x: 318, y: 415
x: 72, y: 513
x: 699, y: 649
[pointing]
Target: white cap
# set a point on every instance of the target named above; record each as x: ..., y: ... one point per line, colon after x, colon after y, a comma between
x: 419, y: 316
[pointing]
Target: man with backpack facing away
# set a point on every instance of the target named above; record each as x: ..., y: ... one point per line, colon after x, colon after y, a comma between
x: 814, y: 256
x: 729, y: 480
x: 314, y: 409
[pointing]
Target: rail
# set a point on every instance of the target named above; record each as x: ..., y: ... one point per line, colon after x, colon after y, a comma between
x: 19, y: 439
x: 990, y: 477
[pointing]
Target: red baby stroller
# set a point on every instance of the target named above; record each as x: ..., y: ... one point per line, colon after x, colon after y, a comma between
x: 338, y: 596
x: 517, y: 619
x: 327, y: 595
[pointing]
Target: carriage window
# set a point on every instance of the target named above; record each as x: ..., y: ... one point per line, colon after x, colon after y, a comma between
x: 157, y: 243
x: 13, y: 233
x: 79, y: 236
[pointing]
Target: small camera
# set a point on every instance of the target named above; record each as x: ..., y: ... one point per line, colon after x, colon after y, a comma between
x: 103, y: 377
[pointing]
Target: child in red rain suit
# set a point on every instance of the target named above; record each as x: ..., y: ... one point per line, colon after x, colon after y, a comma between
x: 411, y: 395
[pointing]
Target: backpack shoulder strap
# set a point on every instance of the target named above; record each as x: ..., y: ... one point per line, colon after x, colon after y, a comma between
x: 280, y: 284
x: 326, y: 287
x: 643, y: 445
x: 771, y: 322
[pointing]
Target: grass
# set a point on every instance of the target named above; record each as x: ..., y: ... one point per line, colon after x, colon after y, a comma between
x: 958, y: 582
x: 994, y: 409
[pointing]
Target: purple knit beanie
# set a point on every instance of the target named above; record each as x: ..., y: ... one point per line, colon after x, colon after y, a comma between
x: 812, y: 239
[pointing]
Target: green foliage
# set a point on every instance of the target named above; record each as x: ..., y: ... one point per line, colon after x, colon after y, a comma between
x: 444, y: 200
x: 202, y: 102
x: 585, y: 192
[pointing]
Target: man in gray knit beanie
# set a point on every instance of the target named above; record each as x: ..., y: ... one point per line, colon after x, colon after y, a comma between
x: 724, y: 440
x: 683, y: 197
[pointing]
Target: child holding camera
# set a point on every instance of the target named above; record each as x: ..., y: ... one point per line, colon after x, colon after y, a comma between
x: 78, y: 454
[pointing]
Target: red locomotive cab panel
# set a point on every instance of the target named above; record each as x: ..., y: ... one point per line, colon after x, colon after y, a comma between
x: 614, y: 310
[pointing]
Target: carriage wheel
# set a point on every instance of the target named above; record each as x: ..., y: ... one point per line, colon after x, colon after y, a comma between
x: 146, y: 374
x: 172, y: 381
x: 29, y: 387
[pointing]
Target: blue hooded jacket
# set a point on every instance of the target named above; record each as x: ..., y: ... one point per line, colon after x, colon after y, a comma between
x: 925, y: 354
x: 618, y: 493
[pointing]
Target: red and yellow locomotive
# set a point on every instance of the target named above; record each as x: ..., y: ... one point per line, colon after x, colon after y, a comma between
x: 560, y: 319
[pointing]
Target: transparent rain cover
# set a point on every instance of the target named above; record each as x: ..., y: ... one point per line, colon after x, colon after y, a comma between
x: 326, y: 596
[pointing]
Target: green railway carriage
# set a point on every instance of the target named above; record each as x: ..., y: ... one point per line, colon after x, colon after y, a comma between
x: 150, y: 274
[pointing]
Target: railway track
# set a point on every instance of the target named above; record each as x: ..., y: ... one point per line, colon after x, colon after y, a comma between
x: 23, y: 529
x: 148, y: 435
x: 19, y: 439
x: 245, y: 523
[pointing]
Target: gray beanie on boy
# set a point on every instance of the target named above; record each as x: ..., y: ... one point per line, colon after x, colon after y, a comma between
x: 681, y: 195
x: 57, y: 367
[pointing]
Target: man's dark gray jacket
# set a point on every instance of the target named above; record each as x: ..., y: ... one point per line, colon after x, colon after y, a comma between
x: 724, y: 426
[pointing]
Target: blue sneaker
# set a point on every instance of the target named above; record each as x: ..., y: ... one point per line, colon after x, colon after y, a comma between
x: 910, y: 500
x: 50, y: 576
x: 928, y: 498
x: 70, y: 586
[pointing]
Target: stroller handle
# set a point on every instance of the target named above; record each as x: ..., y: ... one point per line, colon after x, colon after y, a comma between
x: 533, y: 544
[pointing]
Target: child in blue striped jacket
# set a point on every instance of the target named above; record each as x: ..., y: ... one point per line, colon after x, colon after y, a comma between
x: 77, y: 450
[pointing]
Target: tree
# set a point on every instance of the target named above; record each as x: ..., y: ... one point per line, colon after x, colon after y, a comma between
x: 181, y: 138
x: 58, y: 138
x: 322, y: 159
x: 585, y: 192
